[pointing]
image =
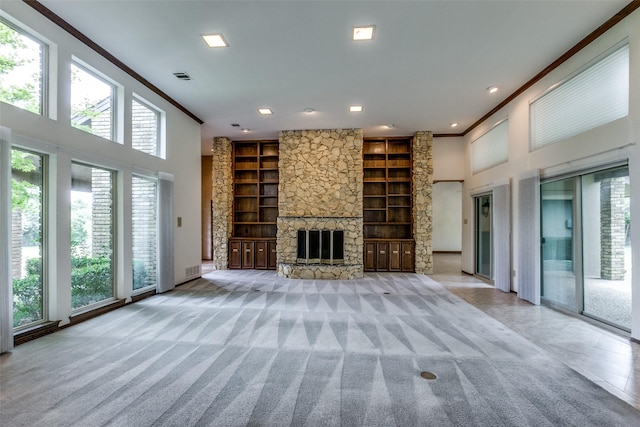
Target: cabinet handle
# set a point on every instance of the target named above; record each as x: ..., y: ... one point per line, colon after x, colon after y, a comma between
x: 260, y: 250
x: 369, y: 252
x: 235, y: 250
x: 247, y: 250
x: 382, y: 252
x: 407, y: 252
x: 395, y: 252
x: 273, y: 250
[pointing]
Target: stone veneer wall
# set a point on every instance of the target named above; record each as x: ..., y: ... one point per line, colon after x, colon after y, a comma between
x: 320, y: 188
x: 422, y: 201
x: 222, y: 198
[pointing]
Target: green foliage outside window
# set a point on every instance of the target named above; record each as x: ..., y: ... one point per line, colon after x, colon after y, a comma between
x: 14, y: 51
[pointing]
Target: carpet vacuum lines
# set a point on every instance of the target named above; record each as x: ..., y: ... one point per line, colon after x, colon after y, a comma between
x: 247, y: 348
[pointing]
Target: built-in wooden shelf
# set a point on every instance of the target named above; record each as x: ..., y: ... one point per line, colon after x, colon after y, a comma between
x: 387, y: 204
x: 255, y: 204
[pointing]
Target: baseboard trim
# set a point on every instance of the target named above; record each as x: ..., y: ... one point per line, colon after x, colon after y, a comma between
x: 142, y: 295
x: 81, y: 317
x: 37, y: 331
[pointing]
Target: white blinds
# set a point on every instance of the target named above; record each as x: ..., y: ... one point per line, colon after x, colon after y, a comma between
x: 6, y: 286
x: 592, y: 98
x: 165, y: 238
x: 528, y: 269
x: 502, y: 236
x: 490, y: 149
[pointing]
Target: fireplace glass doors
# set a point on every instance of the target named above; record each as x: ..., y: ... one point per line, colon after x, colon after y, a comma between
x: 320, y: 247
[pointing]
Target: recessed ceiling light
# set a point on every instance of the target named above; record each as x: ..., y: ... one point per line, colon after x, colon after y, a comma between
x: 245, y: 130
x: 215, y: 40
x: 355, y: 108
x: 454, y: 124
x: 309, y: 110
x: 363, y: 33
x: 390, y: 126
x: 492, y: 89
x: 265, y: 111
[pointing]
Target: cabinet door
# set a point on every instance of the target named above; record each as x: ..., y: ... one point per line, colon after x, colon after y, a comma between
x: 394, y: 256
x: 235, y: 254
x: 408, y: 263
x: 247, y: 253
x: 261, y: 255
x: 272, y: 256
x: 370, y: 256
x: 382, y: 256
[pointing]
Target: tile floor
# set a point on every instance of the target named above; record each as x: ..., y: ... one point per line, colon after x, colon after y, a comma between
x: 607, y: 358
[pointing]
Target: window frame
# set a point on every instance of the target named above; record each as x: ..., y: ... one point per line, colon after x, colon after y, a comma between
x: 44, y: 69
x: 114, y: 241
x: 154, y: 179
x: 113, y: 102
x: 44, y: 235
x: 159, y: 114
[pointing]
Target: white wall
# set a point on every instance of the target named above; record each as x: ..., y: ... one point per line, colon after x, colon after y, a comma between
x: 448, y: 165
x: 54, y: 136
x: 599, y: 146
x: 447, y: 217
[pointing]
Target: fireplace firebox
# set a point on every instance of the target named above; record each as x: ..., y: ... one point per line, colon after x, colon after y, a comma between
x: 320, y: 247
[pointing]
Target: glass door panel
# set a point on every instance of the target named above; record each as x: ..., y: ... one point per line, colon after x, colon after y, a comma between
x: 606, y: 246
x: 558, y: 267
x: 483, y: 235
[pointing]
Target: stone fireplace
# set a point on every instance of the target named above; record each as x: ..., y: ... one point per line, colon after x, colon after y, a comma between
x: 319, y: 199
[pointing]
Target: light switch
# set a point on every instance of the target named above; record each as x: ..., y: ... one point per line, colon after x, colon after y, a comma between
x: 179, y: 221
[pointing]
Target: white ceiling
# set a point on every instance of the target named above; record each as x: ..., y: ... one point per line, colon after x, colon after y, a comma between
x: 428, y: 65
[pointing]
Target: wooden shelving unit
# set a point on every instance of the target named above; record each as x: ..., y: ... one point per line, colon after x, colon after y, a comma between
x: 387, y: 190
x: 255, y: 204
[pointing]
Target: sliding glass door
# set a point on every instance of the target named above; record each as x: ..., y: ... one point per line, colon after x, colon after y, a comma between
x: 586, y: 252
x: 607, y: 247
x: 558, y: 242
x: 483, y: 218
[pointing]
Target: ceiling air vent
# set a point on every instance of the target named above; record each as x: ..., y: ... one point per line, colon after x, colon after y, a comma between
x: 182, y: 76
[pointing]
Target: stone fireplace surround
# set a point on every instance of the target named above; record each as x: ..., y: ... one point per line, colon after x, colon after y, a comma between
x: 321, y: 188
x: 287, y: 238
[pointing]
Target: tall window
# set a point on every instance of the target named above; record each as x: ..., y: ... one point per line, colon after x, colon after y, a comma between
x: 22, y: 68
x: 27, y: 204
x: 144, y: 227
x: 145, y: 132
x: 92, y: 103
x: 92, y: 229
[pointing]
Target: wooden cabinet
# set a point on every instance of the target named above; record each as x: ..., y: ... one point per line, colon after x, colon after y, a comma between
x: 272, y: 257
x: 369, y: 256
x: 261, y: 255
x: 387, y: 204
x: 235, y: 254
x: 248, y: 254
x: 252, y: 253
x: 389, y: 255
x: 255, y: 204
